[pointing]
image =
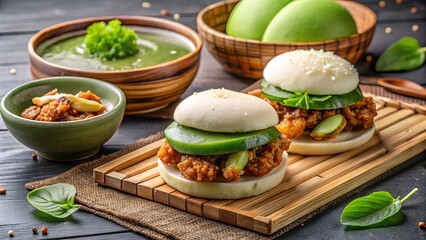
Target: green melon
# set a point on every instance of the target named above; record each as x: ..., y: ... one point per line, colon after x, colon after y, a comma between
x: 310, y: 21
x: 249, y: 18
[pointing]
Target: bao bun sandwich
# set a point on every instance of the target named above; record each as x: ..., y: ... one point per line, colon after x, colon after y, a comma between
x: 223, y: 145
x: 318, y: 100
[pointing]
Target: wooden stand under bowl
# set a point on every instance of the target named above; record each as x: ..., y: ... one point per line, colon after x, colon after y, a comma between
x: 146, y: 89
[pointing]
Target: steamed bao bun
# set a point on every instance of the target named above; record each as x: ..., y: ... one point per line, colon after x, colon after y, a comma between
x: 221, y: 110
x: 313, y: 71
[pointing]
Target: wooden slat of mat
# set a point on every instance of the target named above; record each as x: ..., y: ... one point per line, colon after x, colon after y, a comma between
x: 391, y: 119
x: 140, y: 167
x: 403, y: 130
x: 383, y: 112
x: 115, y: 179
x: 146, y: 189
x: 162, y: 194
x: 345, y: 184
x: 126, y: 160
x: 130, y: 184
x: 178, y: 200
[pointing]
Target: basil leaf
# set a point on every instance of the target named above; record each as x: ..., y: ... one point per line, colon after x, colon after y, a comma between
x: 372, y: 209
x: 56, y: 200
x: 393, y: 220
x: 316, y: 102
x: 404, y: 54
x: 321, y: 98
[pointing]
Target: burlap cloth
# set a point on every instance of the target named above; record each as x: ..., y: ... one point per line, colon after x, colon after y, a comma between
x: 162, y: 222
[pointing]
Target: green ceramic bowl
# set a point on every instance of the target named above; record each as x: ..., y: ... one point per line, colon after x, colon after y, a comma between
x: 62, y: 141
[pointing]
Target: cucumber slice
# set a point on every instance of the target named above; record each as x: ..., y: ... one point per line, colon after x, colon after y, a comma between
x: 238, y: 160
x: 193, y: 141
x: 315, y: 102
x: 328, y: 126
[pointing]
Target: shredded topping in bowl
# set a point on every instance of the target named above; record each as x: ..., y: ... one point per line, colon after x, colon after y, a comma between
x: 59, y: 107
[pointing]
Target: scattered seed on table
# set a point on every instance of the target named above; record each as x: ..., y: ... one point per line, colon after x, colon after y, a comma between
x: 388, y: 30
x: 415, y: 28
x: 12, y: 71
x: 369, y: 58
x: 399, y: 2
x: 414, y: 10
x: 2, y: 190
x: 146, y: 4
x: 382, y: 4
x: 302, y: 224
x: 35, y: 230
x: 421, y: 224
x: 10, y: 233
x: 176, y: 16
x: 165, y: 12
x: 34, y: 156
x: 43, y: 230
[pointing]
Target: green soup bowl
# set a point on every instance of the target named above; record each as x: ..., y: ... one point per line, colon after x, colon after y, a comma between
x: 63, y: 141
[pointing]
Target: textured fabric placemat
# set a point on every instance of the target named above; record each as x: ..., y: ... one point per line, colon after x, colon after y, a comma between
x: 162, y: 222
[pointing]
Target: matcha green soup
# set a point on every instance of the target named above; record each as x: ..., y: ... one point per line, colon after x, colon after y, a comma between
x: 155, y: 46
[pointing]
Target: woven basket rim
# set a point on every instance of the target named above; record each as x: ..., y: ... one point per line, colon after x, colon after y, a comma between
x: 202, y: 26
x: 198, y: 43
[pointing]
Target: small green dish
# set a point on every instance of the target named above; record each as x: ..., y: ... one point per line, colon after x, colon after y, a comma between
x: 63, y: 141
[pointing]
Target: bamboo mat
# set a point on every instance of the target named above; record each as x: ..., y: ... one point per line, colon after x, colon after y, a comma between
x: 310, y: 181
x: 153, y: 219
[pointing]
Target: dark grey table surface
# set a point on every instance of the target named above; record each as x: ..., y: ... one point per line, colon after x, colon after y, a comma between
x: 20, y: 19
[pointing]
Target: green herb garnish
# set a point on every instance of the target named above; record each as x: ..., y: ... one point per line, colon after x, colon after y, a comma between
x: 307, y: 101
x: 372, y: 209
x: 111, y: 41
x: 405, y: 54
x: 56, y: 200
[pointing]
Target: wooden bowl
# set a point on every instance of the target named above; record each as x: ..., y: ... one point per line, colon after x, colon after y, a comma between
x: 147, y: 89
x: 247, y: 58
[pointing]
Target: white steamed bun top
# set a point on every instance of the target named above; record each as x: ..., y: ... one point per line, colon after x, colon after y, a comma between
x: 313, y: 71
x: 221, y: 110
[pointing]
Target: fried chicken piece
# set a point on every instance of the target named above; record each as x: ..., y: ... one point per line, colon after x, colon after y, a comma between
x: 292, y: 127
x: 89, y: 95
x: 265, y: 158
x: 168, y: 155
x: 361, y: 114
x: 54, y: 111
x: 192, y: 167
x: 231, y: 174
x: 31, y: 112
x: 53, y: 92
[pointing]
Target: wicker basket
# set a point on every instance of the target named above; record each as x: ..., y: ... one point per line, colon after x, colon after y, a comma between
x: 247, y: 58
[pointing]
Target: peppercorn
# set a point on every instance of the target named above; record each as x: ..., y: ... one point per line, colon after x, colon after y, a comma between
x: 35, y: 230
x: 165, y: 12
x: 43, y: 230
x: 34, y: 156
x: 2, y: 190
x: 414, y: 10
x: 421, y: 224
x: 10, y: 233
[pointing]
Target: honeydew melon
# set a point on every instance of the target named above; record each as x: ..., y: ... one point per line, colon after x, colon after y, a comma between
x: 310, y: 21
x: 250, y: 18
